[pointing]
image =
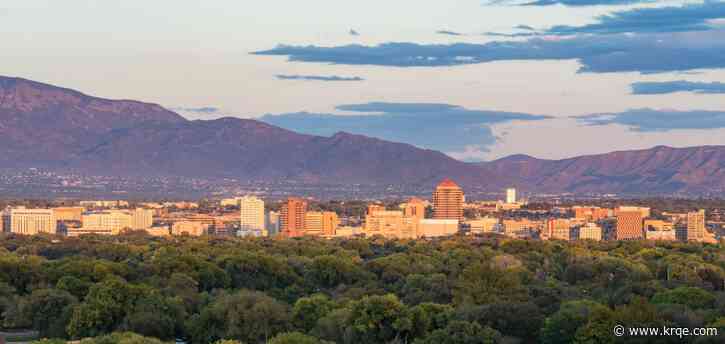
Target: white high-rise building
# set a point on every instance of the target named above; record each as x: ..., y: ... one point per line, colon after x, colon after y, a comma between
x: 252, y: 215
x: 510, y: 195
x: 29, y: 221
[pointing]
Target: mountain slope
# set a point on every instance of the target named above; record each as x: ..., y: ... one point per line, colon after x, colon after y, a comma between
x: 657, y: 170
x: 232, y: 147
x: 57, y: 128
x: 40, y: 123
x: 46, y: 126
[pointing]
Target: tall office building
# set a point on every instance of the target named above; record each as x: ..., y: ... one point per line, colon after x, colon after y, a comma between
x: 273, y: 222
x: 510, y: 195
x: 321, y: 223
x: 292, y: 217
x: 448, y: 201
x: 414, y: 208
x: 696, y: 226
x: 251, y: 211
x: 29, y: 221
x: 629, y: 225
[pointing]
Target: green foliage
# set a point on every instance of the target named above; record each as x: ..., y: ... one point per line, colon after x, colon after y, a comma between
x: 296, y: 338
x: 694, y: 298
x: 462, y: 332
x: 49, y: 310
x: 482, y: 283
x: 307, y: 311
x: 122, y: 338
x: 379, y: 319
x: 249, y: 316
x: 139, y: 289
x: 574, y: 319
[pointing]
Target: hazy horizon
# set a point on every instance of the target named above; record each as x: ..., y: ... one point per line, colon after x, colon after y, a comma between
x: 573, y: 80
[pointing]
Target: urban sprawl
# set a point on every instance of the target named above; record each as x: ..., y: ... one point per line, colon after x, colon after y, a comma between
x: 446, y: 213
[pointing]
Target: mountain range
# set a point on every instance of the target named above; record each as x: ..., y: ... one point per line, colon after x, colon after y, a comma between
x: 61, y: 129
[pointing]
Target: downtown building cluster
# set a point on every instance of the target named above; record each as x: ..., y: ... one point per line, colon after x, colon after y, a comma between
x: 447, y: 213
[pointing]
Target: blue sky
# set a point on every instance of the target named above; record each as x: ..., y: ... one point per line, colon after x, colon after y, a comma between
x: 559, y: 78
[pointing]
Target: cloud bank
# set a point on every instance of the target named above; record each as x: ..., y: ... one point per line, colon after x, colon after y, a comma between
x: 690, y: 17
x: 650, y: 120
x: 575, y: 3
x: 318, y: 78
x: 442, y: 127
x: 666, y: 87
x: 645, y: 53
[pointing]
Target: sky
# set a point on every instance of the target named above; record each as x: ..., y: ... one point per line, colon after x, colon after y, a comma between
x: 475, y: 79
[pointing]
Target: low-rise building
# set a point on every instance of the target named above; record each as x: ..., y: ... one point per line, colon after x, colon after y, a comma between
x: 432, y: 228
x: 190, y: 228
x: 589, y: 231
x: 483, y: 225
x: 29, y: 221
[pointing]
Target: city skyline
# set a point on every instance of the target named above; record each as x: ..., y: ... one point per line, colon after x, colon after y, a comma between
x: 467, y: 85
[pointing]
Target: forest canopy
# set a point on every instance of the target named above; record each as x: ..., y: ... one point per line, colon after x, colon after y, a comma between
x: 135, y: 288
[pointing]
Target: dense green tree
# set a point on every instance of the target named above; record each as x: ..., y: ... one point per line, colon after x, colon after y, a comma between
x: 695, y: 298
x: 379, y: 319
x: 249, y: 316
x: 49, y: 311
x: 307, y: 311
x: 482, y: 283
x: 296, y: 338
x: 462, y: 332
x: 563, y: 326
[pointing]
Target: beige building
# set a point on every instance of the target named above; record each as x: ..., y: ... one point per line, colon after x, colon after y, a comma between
x: 432, y: 228
x: 161, y: 231
x: 559, y: 229
x: 251, y: 211
x: 76, y: 232
x: 321, y: 223
x: 659, y: 230
x: 391, y: 224
x: 74, y: 214
x: 348, y: 231
x: 104, y: 204
x: 141, y: 218
x: 520, y: 228
x: 113, y: 221
x: 696, y: 226
x: 29, y: 221
x: 192, y: 228
x: 483, y: 225
x: 590, y: 231
x: 414, y: 208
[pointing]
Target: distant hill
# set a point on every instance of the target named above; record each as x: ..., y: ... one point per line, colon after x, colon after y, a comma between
x: 57, y: 128
x: 47, y: 126
x: 657, y: 170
